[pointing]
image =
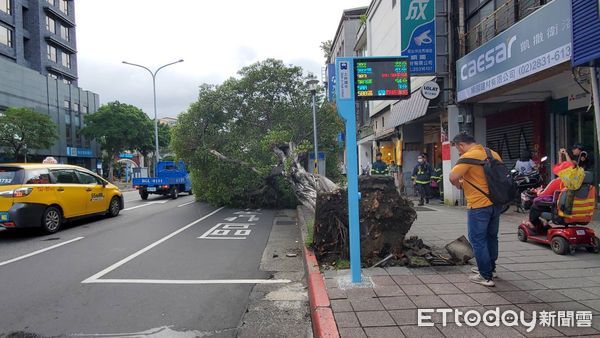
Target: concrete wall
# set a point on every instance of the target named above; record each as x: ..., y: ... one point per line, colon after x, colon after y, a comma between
x: 24, y: 87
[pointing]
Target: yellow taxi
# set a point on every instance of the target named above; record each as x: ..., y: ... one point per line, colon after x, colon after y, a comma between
x: 45, y: 195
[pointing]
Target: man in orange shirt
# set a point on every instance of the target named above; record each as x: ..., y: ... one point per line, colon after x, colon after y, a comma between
x: 483, y: 217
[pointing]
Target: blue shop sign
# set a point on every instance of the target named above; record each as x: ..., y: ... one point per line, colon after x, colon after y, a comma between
x: 540, y: 41
x: 331, y: 82
x: 586, y: 32
x: 129, y: 156
x: 79, y: 152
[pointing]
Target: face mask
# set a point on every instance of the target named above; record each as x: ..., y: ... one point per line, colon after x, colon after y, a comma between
x: 420, y: 160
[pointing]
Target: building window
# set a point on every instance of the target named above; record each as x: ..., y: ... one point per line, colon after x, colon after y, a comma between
x: 66, y: 60
x: 77, y: 120
x: 6, y: 36
x: 68, y: 119
x: 64, y: 6
x: 67, y: 104
x: 51, y: 53
x: 50, y: 25
x: 51, y: 2
x: 75, y: 107
x: 84, y: 109
x: 67, y: 82
x: 5, y: 6
x: 64, y: 33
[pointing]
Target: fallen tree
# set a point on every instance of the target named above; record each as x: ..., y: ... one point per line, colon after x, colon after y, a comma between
x: 385, y: 219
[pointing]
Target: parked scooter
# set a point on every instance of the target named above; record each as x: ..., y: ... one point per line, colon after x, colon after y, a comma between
x: 524, y: 182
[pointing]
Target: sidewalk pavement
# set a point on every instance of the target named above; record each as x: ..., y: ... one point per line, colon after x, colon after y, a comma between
x: 530, y: 278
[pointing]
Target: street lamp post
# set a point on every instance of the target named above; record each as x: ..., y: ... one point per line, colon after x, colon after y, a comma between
x: 157, y: 156
x: 312, y: 87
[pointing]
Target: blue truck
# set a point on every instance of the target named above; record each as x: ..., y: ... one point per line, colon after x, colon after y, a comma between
x: 172, y: 179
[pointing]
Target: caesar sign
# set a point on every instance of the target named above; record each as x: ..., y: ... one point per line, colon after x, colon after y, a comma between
x: 495, y: 55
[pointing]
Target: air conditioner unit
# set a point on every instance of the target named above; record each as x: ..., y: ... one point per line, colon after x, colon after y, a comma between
x: 469, y: 119
x: 460, y: 119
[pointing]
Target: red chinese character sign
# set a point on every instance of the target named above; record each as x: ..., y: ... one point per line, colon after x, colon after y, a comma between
x: 382, y: 78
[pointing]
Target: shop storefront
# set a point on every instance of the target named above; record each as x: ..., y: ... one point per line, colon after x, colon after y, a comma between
x: 513, y: 90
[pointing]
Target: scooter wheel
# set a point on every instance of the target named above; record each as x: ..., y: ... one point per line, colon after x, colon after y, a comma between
x: 522, y: 235
x: 596, y: 247
x: 560, y: 245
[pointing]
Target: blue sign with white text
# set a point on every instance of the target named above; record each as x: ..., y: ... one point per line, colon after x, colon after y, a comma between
x: 540, y: 41
x: 417, y: 35
x: 331, y: 82
x: 79, y: 152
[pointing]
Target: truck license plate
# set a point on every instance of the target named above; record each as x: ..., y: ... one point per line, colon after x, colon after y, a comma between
x: 580, y: 232
x: 151, y: 189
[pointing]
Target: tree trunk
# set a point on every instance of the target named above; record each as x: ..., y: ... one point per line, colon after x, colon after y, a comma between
x: 306, y: 186
x: 385, y: 218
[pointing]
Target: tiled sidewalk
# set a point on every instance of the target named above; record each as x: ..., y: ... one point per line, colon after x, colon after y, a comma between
x: 531, y: 278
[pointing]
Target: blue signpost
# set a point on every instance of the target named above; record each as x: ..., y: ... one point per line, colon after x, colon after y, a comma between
x: 373, y: 78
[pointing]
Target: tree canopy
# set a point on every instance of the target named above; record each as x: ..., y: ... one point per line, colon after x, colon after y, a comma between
x: 24, y: 128
x: 116, y: 127
x: 230, y: 136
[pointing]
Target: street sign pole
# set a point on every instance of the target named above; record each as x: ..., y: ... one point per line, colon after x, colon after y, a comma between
x: 346, y: 106
x: 374, y: 78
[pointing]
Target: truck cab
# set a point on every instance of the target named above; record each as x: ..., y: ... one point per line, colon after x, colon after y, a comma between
x: 171, y: 179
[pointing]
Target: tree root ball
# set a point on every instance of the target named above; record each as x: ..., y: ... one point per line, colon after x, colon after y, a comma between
x: 385, y: 219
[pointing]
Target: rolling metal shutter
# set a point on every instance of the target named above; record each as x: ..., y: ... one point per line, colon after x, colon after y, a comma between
x: 510, y: 141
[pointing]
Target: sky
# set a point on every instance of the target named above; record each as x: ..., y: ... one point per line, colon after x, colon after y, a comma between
x: 215, y: 39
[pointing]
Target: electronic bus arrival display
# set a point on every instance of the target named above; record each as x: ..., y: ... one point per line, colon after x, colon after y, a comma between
x: 382, y: 78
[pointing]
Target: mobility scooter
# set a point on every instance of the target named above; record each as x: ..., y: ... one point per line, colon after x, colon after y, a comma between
x: 564, y: 227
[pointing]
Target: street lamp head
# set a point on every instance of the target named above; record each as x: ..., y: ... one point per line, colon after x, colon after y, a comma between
x: 312, y: 85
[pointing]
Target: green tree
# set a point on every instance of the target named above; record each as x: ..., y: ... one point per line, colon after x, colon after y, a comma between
x: 116, y: 127
x: 22, y: 129
x: 326, y: 49
x: 240, y: 138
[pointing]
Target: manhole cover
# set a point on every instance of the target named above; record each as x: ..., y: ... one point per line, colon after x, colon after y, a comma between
x: 424, y: 209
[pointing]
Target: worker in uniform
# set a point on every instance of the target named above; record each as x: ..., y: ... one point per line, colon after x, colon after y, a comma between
x: 422, y: 179
x: 379, y: 167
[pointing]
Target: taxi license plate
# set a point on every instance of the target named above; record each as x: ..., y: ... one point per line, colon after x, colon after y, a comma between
x: 151, y: 189
x: 3, y: 216
x: 580, y: 232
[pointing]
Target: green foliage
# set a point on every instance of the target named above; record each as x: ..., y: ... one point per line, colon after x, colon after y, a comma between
x: 326, y: 49
x: 310, y: 233
x: 267, y: 105
x: 117, y: 127
x: 24, y: 128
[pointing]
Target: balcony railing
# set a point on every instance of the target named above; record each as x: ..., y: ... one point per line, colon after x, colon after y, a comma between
x: 502, y: 18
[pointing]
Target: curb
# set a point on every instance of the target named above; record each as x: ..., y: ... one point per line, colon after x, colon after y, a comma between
x: 323, y: 322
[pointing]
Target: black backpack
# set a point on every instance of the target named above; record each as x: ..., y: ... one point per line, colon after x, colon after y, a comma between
x: 500, y: 183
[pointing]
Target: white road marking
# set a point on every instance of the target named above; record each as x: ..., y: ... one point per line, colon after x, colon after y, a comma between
x: 230, y: 219
x: 188, y: 281
x: 226, y: 229
x: 145, y: 205
x: 184, y: 204
x: 95, y: 277
x: 40, y: 251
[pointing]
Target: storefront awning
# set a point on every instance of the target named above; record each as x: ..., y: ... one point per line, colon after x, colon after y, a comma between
x: 416, y: 106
